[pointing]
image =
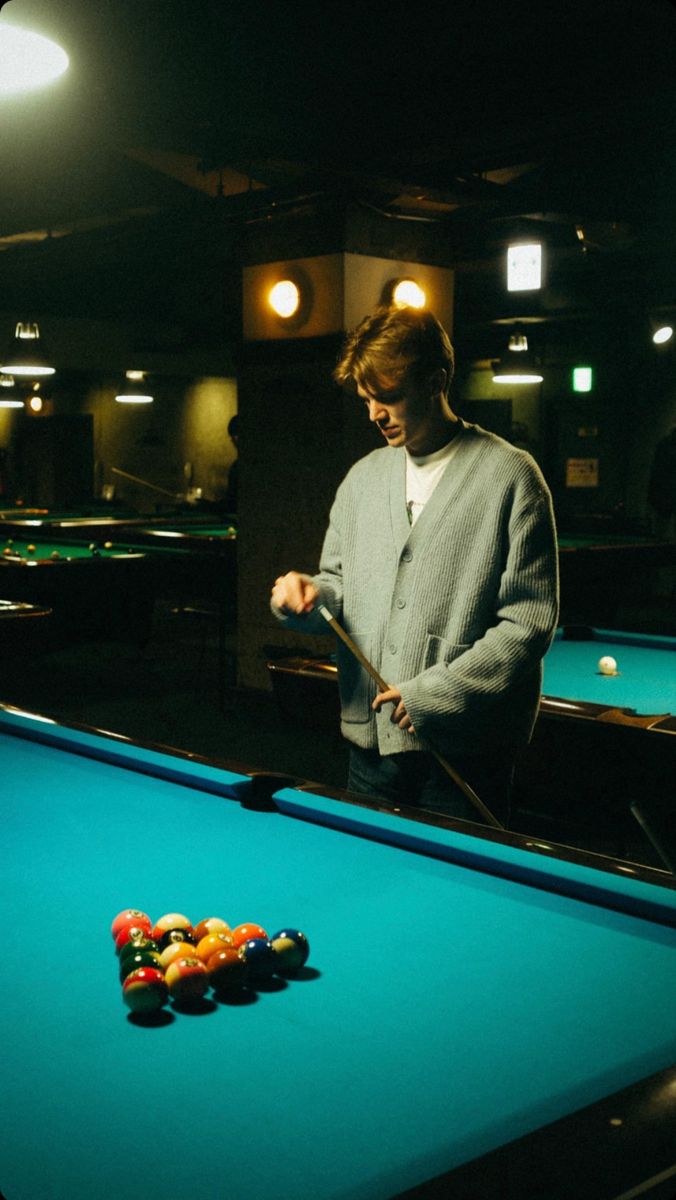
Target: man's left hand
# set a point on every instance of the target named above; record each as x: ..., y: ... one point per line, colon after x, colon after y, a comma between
x: 399, y: 716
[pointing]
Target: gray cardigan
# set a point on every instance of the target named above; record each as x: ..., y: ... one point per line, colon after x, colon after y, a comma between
x: 457, y: 611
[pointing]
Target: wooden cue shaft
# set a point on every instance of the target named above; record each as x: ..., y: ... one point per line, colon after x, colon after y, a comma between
x: 383, y: 686
x: 153, y: 486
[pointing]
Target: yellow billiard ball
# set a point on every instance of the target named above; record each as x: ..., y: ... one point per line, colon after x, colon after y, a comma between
x: 55, y: 554
x: 31, y: 548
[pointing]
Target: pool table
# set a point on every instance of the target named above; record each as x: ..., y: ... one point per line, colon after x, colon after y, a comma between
x: 603, y: 753
x: 107, y: 594
x: 481, y: 1015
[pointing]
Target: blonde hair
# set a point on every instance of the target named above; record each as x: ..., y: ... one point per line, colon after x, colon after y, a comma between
x: 394, y: 346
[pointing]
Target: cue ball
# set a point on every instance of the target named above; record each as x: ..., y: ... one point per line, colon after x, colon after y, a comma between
x: 607, y: 665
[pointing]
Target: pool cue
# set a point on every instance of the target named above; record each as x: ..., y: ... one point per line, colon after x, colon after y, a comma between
x: 144, y: 482
x: 383, y: 687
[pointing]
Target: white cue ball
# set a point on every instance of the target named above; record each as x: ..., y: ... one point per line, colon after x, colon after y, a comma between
x: 607, y: 665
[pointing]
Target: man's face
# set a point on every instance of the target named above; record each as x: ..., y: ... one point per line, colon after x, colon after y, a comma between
x: 402, y: 413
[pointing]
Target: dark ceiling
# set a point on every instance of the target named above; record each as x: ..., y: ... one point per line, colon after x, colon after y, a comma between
x: 474, y: 117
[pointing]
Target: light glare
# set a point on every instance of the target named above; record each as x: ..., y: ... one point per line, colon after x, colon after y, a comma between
x: 284, y: 298
x: 663, y: 334
x: 408, y: 294
x: 28, y: 60
x: 524, y: 267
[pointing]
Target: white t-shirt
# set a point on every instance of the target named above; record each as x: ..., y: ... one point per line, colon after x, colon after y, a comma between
x: 423, y: 475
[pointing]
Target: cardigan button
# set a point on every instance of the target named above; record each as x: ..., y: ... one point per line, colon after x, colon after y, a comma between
x: 392, y: 648
x: 401, y: 603
x: 407, y: 555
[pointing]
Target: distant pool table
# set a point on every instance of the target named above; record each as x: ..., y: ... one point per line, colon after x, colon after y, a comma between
x: 480, y: 1015
x: 601, y: 572
x: 106, y: 594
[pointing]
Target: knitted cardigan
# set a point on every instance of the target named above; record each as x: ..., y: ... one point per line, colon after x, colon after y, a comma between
x: 456, y: 611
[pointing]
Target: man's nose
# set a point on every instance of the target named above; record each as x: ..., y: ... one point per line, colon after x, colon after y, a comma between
x: 376, y: 410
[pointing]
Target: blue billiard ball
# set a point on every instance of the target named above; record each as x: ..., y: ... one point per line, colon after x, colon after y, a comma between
x: 291, y: 949
x: 260, y: 959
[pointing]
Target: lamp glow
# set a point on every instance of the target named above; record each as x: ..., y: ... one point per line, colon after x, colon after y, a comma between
x: 663, y: 334
x: 408, y: 294
x: 25, y: 356
x: 28, y: 60
x: 524, y: 267
x: 134, y: 392
x: 284, y: 298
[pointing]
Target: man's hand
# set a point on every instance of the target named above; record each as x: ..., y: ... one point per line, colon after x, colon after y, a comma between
x: 294, y: 593
x: 399, y: 715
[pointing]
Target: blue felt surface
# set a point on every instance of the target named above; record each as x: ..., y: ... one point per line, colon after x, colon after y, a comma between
x: 647, y: 671
x: 448, y: 1009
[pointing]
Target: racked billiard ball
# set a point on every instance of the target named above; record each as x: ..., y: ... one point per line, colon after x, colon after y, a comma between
x: 142, y: 958
x: 176, y: 935
x: 243, y: 933
x: 135, y: 944
x: 130, y: 933
x: 211, y: 943
x: 145, y: 990
x: 259, y: 957
x: 170, y: 921
x: 291, y: 949
x: 173, y: 951
x: 187, y: 979
x: 227, y: 970
x: 210, y: 925
x: 128, y: 914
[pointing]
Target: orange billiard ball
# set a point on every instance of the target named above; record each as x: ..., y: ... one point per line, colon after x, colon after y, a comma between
x: 211, y: 943
x: 210, y: 925
x: 244, y: 933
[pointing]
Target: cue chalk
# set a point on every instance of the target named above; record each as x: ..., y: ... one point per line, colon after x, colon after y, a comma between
x: 383, y: 686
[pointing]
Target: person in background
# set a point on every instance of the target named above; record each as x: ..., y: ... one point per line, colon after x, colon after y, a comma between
x: 440, y: 562
x: 229, y: 501
x: 662, y: 486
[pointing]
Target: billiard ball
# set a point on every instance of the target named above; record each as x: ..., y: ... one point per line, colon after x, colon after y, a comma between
x: 187, y: 979
x: 130, y: 933
x: 139, y: 943
x: 211, y: 943
x: 170, y: 921
x: 145, y: 990
x: 92, y: 545
x: 55, y: 554
x: 227, y: 970
x: 243, y: 933
x: 260, y: 959
x: 107, y: 545
x: 173, y: 951
x: 142, y: 958
x: 177, y: 935
x: 607, y: 665
x: 291, y: 949
x: 128, y: 914
x: 7, y: 550
x: 30, y: 548
x: 210, y: 925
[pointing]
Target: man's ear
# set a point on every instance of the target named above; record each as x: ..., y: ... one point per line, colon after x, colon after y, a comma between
x: 438, y: 382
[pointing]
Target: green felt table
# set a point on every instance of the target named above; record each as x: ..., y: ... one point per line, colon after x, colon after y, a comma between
x: 101, y: 593
x: 473, y: 1003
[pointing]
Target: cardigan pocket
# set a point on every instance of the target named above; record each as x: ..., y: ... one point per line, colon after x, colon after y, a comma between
x: 440, y: 650
x: 357, y: 689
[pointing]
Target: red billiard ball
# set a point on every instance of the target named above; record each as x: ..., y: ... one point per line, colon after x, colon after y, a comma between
x: 291, y: 949
x: 187, y: 979
x: 130, y: 933
x: 170, y: 921
x: 145, y: 990
x: 244, y: 933
x: 227, y: 970
x: 129, y: 914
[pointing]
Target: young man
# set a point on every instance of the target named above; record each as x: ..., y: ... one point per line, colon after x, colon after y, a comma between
x: 440, y: 562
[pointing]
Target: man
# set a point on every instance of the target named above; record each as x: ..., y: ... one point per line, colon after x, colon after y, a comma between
x: 440, y: 561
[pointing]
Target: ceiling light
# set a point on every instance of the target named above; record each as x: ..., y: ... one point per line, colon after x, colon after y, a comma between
x: 518, y: 342
x: 26, y: 355
x: 662, y: 334
x: 134, y: 391
x: 27, y: 60
x: 510, y: 370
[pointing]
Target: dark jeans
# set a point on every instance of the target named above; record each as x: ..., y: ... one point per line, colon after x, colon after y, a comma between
x: 416, y: 778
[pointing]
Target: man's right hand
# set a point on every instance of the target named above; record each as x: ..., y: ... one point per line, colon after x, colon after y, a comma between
x: 294, y: 593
